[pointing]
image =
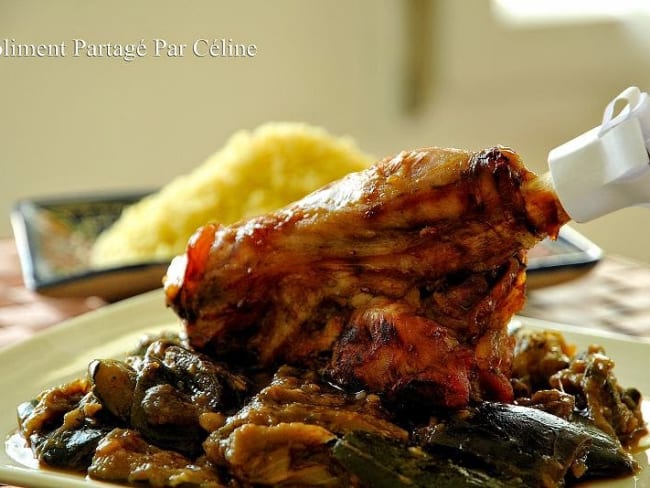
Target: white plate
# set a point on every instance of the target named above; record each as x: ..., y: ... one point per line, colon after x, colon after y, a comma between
x: 63, y: 352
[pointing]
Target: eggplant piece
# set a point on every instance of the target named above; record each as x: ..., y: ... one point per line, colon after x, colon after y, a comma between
x: 606, y: 456
x: 64, y: 424
x: 71, y: 449
x: 525, y: 443
x: 164, y: 393
x: 48, y: 410
x: 211, y: 385
x: 599, y: 397
x: 380, y: 462
x: 114, y: 383
x: 25, y: 409
x: 146, y: 400
x: 70, y: 442
x: 164, y: 414
x: 173, y: 388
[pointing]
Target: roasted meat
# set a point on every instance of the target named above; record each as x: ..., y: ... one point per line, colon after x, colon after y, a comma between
x: 399, y: 279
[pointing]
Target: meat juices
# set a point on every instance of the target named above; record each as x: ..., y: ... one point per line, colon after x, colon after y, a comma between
x: 400, y: 279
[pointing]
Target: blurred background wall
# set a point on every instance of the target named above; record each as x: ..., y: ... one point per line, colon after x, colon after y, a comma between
x: 392, y: 74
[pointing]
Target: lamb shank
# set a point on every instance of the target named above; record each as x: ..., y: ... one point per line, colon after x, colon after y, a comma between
x: 400, y: 279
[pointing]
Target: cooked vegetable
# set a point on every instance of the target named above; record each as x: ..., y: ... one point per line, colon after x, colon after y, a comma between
x: 114, y: 383
x: 537, y: 356
x: 526, y: 444
x: 380, y: 462
x: 64, y: 425
x: 165, y: 393
x: 614, y: 410
x: 285, y: 454
x: 606, y: 456
x: 71, y: 448
x: 124, y: 456
x: 295, y: 395
x: 174, y: 417
x: 46, y: 412
x: 283, y: 434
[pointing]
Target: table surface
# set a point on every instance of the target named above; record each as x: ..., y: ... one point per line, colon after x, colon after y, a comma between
x: 614, y: 296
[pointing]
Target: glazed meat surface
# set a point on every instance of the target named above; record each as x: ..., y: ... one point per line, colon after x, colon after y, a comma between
x: 399, y: 279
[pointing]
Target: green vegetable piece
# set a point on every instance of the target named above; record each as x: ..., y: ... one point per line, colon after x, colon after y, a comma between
x: 527, y: 444
x: 71, y: 449
x: 606, y: 456
x: 384, y: 463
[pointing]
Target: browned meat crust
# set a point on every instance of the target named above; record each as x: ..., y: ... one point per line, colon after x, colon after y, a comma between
x: 399, y: 279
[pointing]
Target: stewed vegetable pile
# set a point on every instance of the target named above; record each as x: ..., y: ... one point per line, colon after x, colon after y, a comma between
x: 170, y: 416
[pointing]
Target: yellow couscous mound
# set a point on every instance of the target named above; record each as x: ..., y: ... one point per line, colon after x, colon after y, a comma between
x: 255, y: 172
